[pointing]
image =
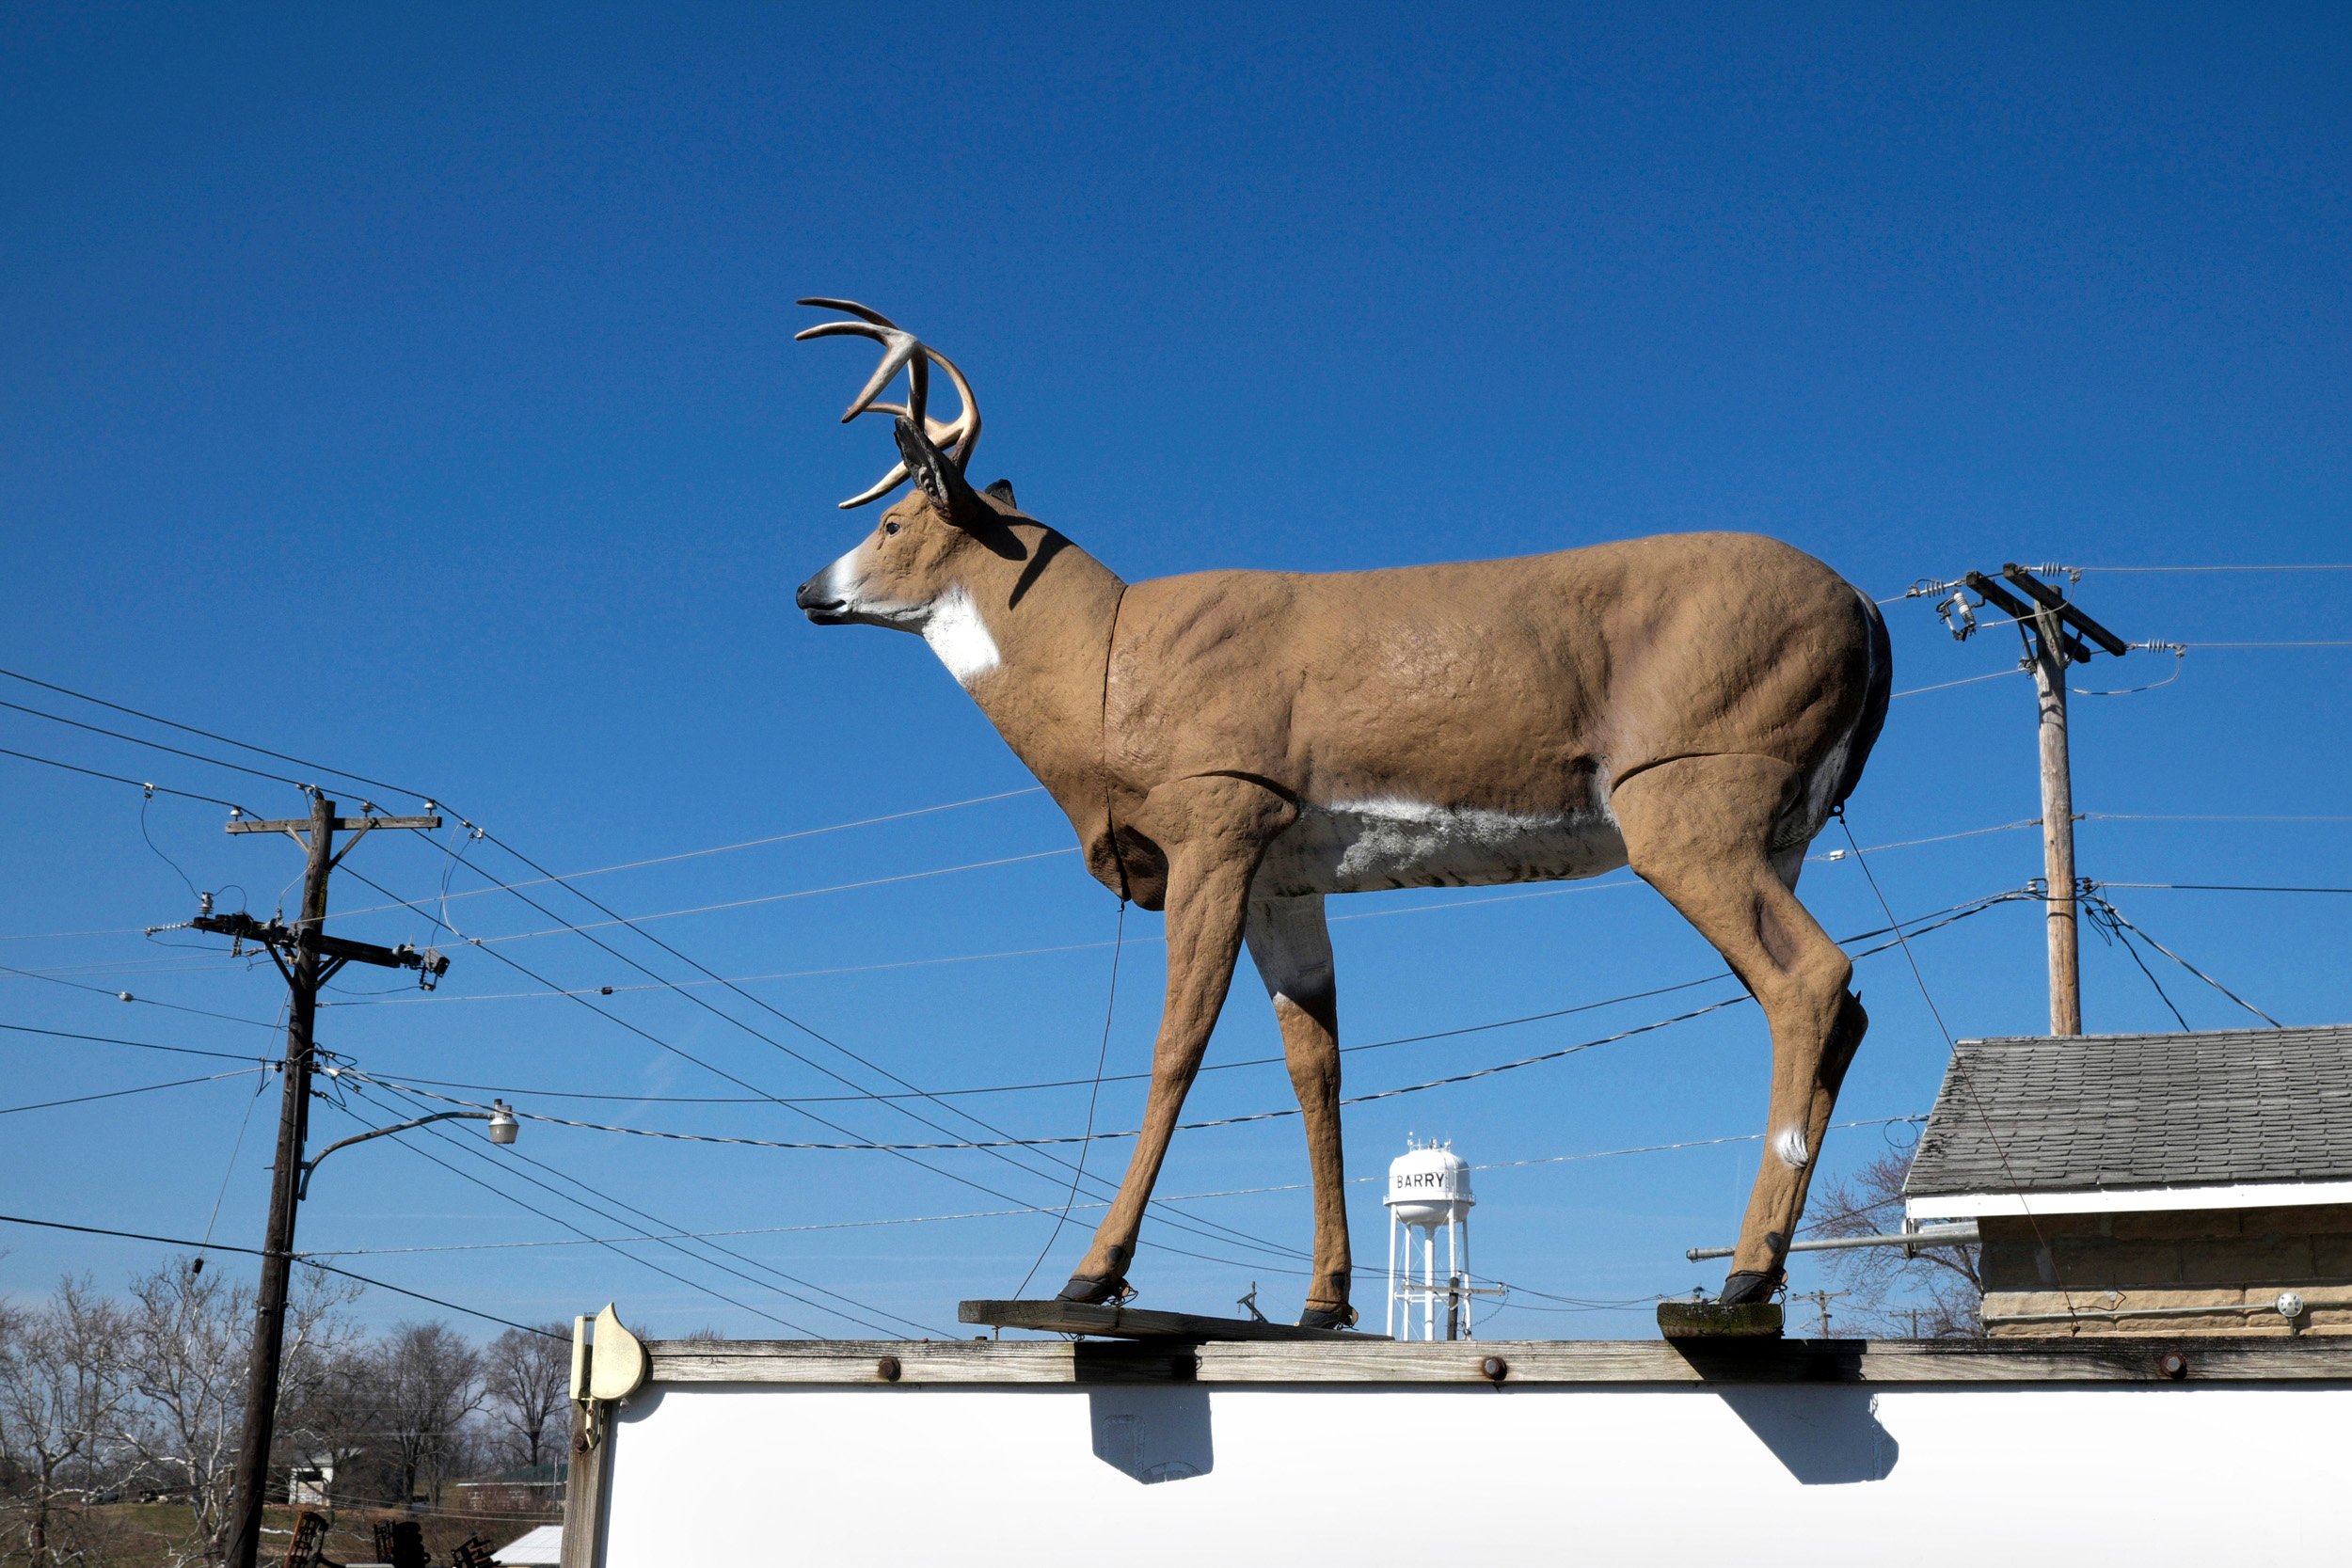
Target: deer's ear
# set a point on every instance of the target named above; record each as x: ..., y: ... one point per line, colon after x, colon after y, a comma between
x: 939, y: 477
x: 1002, y: 490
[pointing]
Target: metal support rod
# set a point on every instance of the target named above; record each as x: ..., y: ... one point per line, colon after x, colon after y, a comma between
x: 1950, y: 1235
x: 304, y: 1190
x: 2048, y: 649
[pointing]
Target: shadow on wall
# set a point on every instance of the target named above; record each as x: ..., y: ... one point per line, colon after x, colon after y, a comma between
x: 1154, y: 1435
x: 1823, y: 1436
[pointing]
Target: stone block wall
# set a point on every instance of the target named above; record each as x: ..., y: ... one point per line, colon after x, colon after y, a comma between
x: 2223, y: 1258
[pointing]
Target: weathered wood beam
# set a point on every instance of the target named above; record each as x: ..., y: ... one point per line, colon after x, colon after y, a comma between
x: 2088, y: 1358
x: 1134, y: 1322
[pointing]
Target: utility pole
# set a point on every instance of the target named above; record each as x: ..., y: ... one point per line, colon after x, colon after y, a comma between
x: 1821, y: 1300
x: 2047, y: 620
x: 308, y: 957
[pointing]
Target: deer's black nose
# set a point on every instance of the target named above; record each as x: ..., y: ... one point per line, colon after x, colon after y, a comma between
x: 819, y: 602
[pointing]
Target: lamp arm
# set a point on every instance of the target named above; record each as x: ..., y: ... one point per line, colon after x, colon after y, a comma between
x: 303, y: 1191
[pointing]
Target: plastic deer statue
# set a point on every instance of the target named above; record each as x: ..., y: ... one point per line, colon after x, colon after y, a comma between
x: 1235, y: 746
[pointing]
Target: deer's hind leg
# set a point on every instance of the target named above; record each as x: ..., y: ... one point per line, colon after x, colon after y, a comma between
x: 1292, y: 946
x: 1699, y: 830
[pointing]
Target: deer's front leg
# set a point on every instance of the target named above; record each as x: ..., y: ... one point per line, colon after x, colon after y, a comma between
x: 1215, y: 831
x: 1292, y: 945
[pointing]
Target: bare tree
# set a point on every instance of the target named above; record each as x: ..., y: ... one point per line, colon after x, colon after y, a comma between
x: 1935, y: 1293
x: 184, y: 1347
x: 527, y: 1378
x: 429, y: 1381
x: 61, y: 1395
x: 331, y: 1411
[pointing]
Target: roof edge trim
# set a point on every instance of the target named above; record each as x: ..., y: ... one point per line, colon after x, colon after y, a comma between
x: 2119, y: 1200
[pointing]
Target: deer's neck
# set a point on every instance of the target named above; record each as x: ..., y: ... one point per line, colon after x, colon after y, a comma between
x: 1028, y: 638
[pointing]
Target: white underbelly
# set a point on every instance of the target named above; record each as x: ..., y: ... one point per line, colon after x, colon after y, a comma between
x: 1365, y: 845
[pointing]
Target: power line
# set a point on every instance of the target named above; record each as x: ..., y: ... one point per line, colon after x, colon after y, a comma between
x: 1946, y: 686
x: 2192, y: 816
x: 729, y: 848
x: 257, y: 1252
x: 1164, y: 1214
x: 155, y: 745
x: 754, y: 999
x: 126, y: 996
x: 1179, y: 1197
x: 2340, y: 642
x: 2289, y: 567
x: 117, y: 777
x: 613, y: 1247
x: 1277, y: 1115
x: 1920, y: 924
x: 711, y: 1066
x: 899, y: 1153
x: 2222, y: 887
x: 634, y: 922
x: 2099, y: 911
x: 654, y: 1219
x: 1937, y: 1013
x: 208, y: 735
x: 444, y: 995
x: 995, y: 1151
x: 2117, y: 915
x: 142, y: 1045
x: 117, y: 1094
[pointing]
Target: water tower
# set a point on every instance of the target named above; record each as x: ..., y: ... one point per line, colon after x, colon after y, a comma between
x: 1429, y: 1189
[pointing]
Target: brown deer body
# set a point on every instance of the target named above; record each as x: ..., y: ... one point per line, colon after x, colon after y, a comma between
x: 1235, y: 745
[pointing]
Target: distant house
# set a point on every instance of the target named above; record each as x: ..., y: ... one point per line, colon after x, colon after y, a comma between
x: 527, y: 1490
x: 310, y: 1481
x: 2154, y: 1183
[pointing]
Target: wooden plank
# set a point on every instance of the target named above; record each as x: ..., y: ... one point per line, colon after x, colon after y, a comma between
x: 1365, y: 1359
x: 1133, y: 1322
x: 342, y: 824
x: 871, y: 1362
x: 587, y: 1494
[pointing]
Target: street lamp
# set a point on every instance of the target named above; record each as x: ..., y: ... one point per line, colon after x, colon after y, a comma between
x: 500, y: 1115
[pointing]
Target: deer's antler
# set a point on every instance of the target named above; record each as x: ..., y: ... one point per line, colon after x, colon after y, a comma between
x: 901, y: 350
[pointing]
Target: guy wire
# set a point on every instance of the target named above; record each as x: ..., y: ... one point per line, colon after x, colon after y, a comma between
x: 1101, y: 1057
x: 1951, y: 1045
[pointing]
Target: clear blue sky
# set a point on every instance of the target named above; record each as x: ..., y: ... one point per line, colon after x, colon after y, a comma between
x: 413, y: 391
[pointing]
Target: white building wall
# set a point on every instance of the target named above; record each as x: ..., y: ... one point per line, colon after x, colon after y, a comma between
x: 1806, y: 1474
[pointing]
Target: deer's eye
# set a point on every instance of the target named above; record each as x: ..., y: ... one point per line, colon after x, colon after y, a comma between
x: 890, y: 527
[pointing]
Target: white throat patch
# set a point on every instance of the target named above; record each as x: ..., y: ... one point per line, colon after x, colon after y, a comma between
x: 960, y: 638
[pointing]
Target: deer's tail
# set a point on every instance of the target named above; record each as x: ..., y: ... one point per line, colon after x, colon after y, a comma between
x: 1873, y: 718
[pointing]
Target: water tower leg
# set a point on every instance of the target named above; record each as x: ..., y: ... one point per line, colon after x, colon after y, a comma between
x: 1429, y: 1285
x: 1388, y: 1321
x: 1454, y: 1279
x: 1470, y: 1298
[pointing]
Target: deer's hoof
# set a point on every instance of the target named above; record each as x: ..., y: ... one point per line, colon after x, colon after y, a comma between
x: 1091, y: 1290
x: 1749, y: 1285
x: 1342, y: 1316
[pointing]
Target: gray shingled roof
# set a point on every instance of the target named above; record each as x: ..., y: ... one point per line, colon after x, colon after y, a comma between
x: 2040, y: 1115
